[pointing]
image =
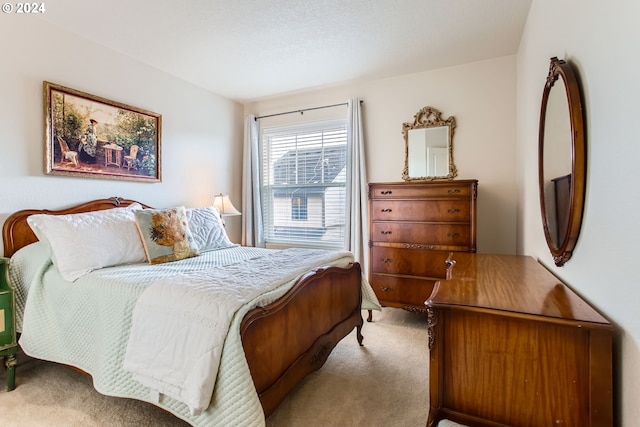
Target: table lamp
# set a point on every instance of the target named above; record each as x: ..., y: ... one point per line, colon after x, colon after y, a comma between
x: 224, y: 205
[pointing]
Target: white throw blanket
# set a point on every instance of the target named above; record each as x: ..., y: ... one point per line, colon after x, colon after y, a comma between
x: 179, y: 323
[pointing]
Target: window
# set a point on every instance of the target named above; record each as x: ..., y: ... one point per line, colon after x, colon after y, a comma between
x: 299, y: 208
x: 304, y: 171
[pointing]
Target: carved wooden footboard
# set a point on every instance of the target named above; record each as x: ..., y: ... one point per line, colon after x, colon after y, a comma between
x: 293, y: 336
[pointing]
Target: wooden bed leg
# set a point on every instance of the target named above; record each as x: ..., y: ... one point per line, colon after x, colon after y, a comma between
x: 370, y: 317
x: 359, y: 334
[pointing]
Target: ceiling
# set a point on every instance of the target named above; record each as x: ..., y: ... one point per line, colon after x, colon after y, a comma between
x: 250, y: 49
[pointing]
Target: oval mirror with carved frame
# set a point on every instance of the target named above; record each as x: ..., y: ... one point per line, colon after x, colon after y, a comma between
x: 428, y: 147
x: 561, y: 160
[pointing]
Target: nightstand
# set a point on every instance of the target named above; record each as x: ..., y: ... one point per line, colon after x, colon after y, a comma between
x: 8, y: 344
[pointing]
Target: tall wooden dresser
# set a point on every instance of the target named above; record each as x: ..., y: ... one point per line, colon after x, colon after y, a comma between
x: 413, y: 228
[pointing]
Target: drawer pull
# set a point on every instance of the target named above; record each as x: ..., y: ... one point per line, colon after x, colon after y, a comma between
x: 454, y: 190
x: 385, y: 232
x: 451, y: 211
x: 385, y: 260
x: 452, y: 234
x: 417, y: 246
x: 385, y: 210
x: 385, y: 289
x: 386, y: 192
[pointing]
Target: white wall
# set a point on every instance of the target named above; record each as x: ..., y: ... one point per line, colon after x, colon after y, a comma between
x: 601, y: 39
x: 482, y: 98
x: 201, y: 138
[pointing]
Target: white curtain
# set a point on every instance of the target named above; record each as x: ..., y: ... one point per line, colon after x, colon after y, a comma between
x: 357, y: 232
x: 252, y: 234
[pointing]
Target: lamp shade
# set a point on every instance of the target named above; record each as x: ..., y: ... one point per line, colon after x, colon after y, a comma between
x: 224, y: 205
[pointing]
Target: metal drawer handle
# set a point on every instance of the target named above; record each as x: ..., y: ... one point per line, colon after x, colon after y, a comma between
x: 386, y: 192
x: 454, y: 190
x: 385, y: 288
x: 453, y: 210
x: 385, y: 210
x: 385, y: 232
x: 385, y: 260
x: 417, y: 246
x: 453, y: 234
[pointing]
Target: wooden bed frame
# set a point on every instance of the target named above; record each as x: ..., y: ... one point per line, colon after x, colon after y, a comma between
x: 284, y: 341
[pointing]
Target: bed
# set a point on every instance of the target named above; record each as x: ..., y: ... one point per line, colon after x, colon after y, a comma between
x: 275, y: 339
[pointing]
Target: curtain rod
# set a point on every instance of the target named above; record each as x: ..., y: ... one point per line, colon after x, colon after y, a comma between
x: 302, y: 111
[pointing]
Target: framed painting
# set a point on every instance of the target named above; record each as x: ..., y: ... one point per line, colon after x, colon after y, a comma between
x: 93, y: 137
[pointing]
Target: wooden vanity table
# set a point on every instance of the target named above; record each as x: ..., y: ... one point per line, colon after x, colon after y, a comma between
x: 511, y: 345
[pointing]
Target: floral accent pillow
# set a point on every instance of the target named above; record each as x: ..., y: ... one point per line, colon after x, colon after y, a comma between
x: 165, y: 234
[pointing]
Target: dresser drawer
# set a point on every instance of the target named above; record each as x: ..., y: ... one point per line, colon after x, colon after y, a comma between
x: 421, y: 233
x: 410, y: 262
x: 416, y: 191
x: 401, y: 290
x: 421, y: 210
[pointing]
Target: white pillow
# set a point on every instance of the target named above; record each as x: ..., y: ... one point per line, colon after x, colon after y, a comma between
x: 207, y: 229
x: 81, y: 243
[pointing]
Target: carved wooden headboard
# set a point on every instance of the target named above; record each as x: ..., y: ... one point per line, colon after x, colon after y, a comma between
x: 16, y: 232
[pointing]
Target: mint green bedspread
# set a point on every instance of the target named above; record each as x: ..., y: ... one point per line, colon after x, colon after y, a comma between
x: 86, y: 324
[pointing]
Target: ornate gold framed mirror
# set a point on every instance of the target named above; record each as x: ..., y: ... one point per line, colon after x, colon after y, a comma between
x: 428, y: 146
x: 561, y: 160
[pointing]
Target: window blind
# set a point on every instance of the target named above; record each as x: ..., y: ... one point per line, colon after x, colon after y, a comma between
x: 304, y: 172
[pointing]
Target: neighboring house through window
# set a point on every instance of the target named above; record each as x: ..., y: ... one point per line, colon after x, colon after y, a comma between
x: 299, y: 208
x: 304, y: 172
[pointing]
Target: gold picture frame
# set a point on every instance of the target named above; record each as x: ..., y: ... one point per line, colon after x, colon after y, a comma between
x: 92, y: 137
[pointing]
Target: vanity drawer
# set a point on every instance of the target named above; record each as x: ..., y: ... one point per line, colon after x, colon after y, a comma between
x: 401, y: 290
x: 410, y: 262
x: 416, y: 191
x: 421, y: 210
x: 421, y: 233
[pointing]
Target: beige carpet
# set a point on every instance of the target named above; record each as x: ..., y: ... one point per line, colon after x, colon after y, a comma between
x: 384, y: 383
